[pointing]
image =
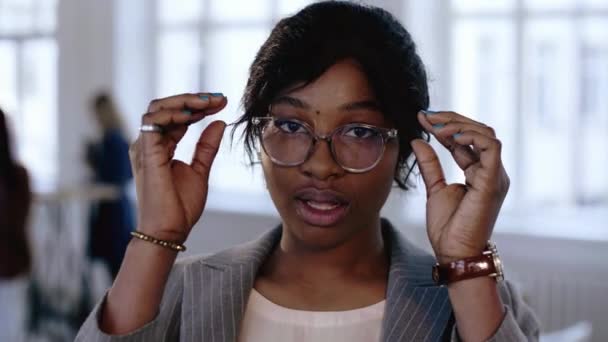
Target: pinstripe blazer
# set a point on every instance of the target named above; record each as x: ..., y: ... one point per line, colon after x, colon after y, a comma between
x: 205, y: 299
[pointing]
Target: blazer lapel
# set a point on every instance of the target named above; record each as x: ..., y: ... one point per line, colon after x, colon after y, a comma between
x: 226, y: 280
x: 416, y: 309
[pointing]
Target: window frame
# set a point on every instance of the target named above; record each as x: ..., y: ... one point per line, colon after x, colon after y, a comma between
x: 15, y: 115
x: 519, y: 16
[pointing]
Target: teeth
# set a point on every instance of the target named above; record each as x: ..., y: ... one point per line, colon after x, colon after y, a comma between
x: 322, y: 206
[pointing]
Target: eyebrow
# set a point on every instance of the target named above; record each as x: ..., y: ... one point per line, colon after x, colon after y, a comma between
x: 359, y: 105
x: 352, y: 106
x: 292, y: 101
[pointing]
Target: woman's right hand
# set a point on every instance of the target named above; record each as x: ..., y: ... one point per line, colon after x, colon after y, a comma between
x: 171, y: 194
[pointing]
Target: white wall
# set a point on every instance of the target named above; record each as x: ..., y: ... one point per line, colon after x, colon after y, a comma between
x: 85, y: 65
x: 85, y: 44
x: 134, y: 48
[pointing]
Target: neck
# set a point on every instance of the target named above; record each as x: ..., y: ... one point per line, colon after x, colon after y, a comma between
x: 362, y: 256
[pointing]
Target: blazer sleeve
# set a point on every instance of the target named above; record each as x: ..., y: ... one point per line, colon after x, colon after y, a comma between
x: 519, y: 323
x: 164, y: 327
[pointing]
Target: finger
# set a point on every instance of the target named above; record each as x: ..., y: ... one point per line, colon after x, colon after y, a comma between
x: 463, y: 155
x: 443, y: 117
x: 489, y: 148
x: 171, y: 117
x: 207, y: 147
x: 429, y: 166
x: 195, y: 102
x: 173, y: 123
x: 133, y: 155
x: 177, y: 135
x: 216, y: 108
x: 451, y: 128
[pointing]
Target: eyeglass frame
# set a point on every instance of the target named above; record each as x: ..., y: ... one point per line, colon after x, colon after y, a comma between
x: 386, y: 133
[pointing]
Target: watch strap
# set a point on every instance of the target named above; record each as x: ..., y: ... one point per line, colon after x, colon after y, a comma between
x: 487, y: 264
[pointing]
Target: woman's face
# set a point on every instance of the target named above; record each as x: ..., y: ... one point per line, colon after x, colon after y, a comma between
x: 320, y: 203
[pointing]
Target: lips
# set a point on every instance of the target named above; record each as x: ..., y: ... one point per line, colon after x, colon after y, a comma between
x: 322, y: 208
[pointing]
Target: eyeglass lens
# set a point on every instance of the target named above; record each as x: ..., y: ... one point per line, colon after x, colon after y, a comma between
x: 289, y: 142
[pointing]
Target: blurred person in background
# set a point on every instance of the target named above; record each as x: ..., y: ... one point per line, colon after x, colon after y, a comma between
x: 337, y: 106
x: 111, y: 219
x: 15, y: 255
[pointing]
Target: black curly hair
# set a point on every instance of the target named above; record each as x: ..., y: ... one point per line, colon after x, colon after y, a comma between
x: 303, y: 46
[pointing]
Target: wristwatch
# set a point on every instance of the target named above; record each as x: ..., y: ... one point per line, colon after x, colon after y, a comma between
x: 487, y: 264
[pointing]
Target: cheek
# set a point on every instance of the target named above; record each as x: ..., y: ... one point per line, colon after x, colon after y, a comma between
x: 268, y: 171
x: 379, y: 181
x: 388, y: 164
x: 277, y: 179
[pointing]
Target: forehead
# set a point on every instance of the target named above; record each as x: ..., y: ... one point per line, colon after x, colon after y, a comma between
x: 340, y: 95
x: 342, y: 83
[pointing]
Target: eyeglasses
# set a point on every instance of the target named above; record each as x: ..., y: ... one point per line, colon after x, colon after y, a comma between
x: 355, y: 147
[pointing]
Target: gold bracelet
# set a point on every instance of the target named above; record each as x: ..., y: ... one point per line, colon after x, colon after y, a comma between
x: 167, y: 244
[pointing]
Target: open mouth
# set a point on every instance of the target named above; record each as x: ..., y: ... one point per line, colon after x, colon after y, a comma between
x: 324, y: 206
x: 321, y: 208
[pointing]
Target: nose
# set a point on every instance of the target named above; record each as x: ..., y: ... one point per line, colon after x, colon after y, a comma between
x: 321, y: 164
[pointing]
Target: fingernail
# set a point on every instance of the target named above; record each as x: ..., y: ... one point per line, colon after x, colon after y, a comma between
x: 217, y: 94
x: 437, y: 126
x: 457, y: 135
x: 186, y: 112
x: 204, y: 97
x: 428, y: 112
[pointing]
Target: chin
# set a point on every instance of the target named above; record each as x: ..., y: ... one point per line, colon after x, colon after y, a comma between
x: 319, y: 237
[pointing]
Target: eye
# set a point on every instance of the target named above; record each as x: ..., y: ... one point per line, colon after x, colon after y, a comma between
x: 290, y: 126
x: 360, y: 132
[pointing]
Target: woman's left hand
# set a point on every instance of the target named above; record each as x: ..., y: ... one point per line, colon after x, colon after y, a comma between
x: 460, y: 217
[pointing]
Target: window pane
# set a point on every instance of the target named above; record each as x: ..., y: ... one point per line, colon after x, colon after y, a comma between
x: 180, y: 72
x: 16, y: 16
x: 594, y: 78
x: 596, y: 3
x: 235, y: 10
x: 549, y: 109
x: 39, y: 114
x: 227, y: 71
x: 179, y: 58
x: 289, y: 7
x: 593, y: 136
x: 482, y: 5
x: 170, y: 12
x: 483, y: 81
x: 45, y: 15
x: 8, y: 80
x: 549, y: 4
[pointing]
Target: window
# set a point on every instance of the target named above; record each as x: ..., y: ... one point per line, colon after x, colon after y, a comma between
x: 28, y: 85
x: 208, y: 45
x: 537, y: 71
x: 533, y: 69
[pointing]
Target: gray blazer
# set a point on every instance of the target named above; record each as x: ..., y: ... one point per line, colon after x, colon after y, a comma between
x: 205, y: 299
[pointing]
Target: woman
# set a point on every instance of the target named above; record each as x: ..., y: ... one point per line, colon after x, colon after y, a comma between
x: 111, y: 220
x: 15, y: 255
x: 333, y: 98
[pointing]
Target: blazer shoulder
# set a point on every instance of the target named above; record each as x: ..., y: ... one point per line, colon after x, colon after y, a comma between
x: 252, y: 252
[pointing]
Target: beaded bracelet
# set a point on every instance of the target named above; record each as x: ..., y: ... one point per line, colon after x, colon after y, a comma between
x: 167, y: 244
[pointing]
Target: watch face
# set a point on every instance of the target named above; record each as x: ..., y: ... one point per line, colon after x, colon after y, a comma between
x: 498, y: 266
